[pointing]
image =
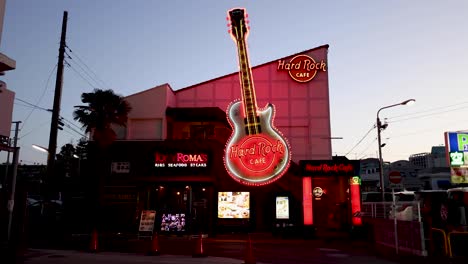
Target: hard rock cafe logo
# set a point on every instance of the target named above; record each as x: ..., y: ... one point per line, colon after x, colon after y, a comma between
x: 318, y: 192
x: 256, y: 153
x: 302, y: 68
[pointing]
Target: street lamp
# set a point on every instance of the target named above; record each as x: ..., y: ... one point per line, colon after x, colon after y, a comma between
x: 40, y: 148
x: 379, y: 128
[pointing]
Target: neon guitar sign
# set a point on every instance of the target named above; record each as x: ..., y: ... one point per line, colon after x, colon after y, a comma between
x: 256, y: 153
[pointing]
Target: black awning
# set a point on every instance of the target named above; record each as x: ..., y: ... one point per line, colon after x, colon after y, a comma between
x: 197, y: 114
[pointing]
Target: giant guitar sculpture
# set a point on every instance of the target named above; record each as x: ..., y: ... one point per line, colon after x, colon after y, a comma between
x: 256, y: 153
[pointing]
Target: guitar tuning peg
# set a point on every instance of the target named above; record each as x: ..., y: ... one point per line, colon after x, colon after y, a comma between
x: 229, y: 31
x: 229, y: 25
x: 227, y: 18
x: 248, y: 28
x: 247, y: 21
x: 246, y: 15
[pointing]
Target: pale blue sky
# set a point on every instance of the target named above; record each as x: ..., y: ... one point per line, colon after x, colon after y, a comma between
x: 381, y: 53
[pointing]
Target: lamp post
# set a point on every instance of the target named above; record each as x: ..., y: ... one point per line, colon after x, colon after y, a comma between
x: 379, y: 128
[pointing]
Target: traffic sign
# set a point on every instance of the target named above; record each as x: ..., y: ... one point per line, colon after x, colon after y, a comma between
x: 394, y: 177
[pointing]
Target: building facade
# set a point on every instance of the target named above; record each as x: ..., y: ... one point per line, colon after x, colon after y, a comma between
x: 169, y: 158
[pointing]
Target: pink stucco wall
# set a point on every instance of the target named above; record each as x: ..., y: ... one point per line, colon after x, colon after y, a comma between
x: 302, y: 109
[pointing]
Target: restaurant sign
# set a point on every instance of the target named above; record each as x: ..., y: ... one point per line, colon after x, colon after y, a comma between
x: 329, y: 168
x: 180, y: 160
x: 302, y: 68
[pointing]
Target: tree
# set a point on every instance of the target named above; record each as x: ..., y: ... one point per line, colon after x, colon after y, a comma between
x: 81, y: 148
x: 104, y: 108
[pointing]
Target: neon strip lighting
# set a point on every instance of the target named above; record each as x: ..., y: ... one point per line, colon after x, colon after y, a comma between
x: 307, y: 200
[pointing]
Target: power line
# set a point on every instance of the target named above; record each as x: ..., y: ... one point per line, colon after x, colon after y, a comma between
x: 79, y: 74
x: 428, y: 110
x: 33, y: 105
x: 40, y: 98
x: 96, y: 76
x: 427, y: 115
x: 372, y: 128
x: 367, y: 147
x: 83, y: 70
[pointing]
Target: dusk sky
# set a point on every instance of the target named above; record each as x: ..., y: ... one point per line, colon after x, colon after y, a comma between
x: 381, y: 53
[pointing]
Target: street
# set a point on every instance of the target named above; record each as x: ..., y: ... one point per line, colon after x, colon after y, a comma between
x: 219, y: 250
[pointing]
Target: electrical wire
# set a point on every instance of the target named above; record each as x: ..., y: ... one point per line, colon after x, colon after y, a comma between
x: 89, y: 77
x: 80, y: 75
x: 40, y: 98
x: 90, y: 70
x: 372, y: 128
x: 32, y: 105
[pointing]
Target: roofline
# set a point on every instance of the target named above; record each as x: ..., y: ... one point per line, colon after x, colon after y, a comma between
x: 260, y: 65
x: 147, y: 90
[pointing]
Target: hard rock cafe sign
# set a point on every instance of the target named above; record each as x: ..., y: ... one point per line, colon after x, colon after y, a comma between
x: 256, y: 153
x: 302, y: 68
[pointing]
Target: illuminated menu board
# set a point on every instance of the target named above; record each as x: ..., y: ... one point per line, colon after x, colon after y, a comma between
x: 282, y: 207
x: 234, y: 205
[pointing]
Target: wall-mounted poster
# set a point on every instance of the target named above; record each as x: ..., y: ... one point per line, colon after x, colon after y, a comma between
x: 147, y: 221
x: 173, y: 223
x: 233, y: 205
x: 282, y: 207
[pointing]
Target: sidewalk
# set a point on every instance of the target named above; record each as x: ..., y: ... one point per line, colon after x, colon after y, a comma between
x: 76, y: 257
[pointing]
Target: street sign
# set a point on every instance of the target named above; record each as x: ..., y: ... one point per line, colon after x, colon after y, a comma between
x: 394, y: 177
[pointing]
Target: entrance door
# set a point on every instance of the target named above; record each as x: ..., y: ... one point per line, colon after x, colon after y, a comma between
x: 329, y: 202
x: 183, y: 208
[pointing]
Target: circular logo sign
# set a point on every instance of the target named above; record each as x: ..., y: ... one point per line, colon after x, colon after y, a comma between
x: 302, y: 68
x: 317, y: 191
x: 394, y: 177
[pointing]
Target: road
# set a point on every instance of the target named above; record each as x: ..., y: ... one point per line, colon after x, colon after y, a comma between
x: 220, y: 250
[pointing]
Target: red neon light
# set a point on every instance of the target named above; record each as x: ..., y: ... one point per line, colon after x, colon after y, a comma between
x: 256, y: 153
x: 355, y: 202
x: 307, y: 200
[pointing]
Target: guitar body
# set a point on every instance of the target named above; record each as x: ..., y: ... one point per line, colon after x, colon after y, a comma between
x: 258, y: 158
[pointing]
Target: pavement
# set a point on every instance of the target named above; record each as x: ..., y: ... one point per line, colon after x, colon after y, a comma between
x: 227, y: 249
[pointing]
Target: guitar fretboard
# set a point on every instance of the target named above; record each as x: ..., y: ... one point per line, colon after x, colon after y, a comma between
x: 252, y: 123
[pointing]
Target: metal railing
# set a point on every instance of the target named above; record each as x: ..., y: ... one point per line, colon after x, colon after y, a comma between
x: 404, y: 211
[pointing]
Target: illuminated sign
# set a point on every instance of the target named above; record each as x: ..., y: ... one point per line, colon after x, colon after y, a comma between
x: 282, y: 207
x: 233, y: 205
x: 180, y: 160
x: 355, y: 200
x: 456, y: 158
x: 318, y: 192
x: 456, y: 147
x: 329, y: 168
x: 302, y: 68
x: 256, y: 153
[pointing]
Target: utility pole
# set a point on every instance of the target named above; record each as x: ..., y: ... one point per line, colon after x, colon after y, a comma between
x: 57, y: 99
x: 11, y: 200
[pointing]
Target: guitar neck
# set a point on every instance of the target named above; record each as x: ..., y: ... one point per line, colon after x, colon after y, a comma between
x: 247, y: 86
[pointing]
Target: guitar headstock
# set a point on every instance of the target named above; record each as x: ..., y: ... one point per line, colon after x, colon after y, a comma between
x: 238, y: 23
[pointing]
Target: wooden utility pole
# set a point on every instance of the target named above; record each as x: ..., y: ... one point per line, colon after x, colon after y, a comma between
x: 57, y: 99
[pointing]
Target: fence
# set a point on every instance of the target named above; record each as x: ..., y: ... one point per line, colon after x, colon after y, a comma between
x: 404, y: 211
x: 396, y: 225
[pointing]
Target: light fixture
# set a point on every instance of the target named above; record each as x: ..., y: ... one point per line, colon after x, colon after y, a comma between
x: 40, y: 148
x: 379, y: 128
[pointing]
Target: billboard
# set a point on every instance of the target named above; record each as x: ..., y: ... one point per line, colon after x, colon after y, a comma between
x: 6, y: 109
x: 456, y: 144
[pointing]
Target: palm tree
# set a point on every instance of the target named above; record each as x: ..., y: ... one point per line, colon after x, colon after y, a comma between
x: 105, y: 108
